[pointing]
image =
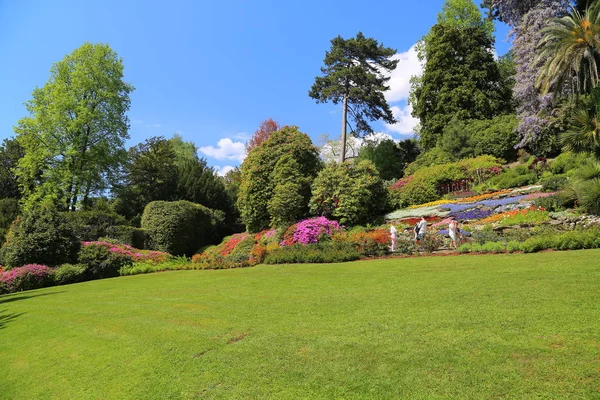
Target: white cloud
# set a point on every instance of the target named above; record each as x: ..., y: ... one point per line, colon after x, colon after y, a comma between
x: 222, y: 171
x: 153, y: 125
x: 408, y: 65
x: 226, y: 149
x: 406, y: 122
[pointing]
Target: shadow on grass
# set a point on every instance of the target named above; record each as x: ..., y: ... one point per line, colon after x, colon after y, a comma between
x: 6, y: 317
x: 9, y: 298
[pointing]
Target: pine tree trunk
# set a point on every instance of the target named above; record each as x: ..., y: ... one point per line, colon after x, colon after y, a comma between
x: 343, y: 139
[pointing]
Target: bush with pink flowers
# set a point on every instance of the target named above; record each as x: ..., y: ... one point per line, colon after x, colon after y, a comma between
x: 31, y: 276
x: 310, y: 231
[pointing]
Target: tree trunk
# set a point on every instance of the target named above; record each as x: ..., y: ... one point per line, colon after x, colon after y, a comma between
x: 344, y: 124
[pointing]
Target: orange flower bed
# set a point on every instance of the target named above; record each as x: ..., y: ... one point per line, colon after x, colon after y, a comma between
x: 486, y: 196
x: 501, y: 216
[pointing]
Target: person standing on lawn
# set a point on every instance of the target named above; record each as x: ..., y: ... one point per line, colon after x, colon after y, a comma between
x: 453, y: 231
x: 393, y: 233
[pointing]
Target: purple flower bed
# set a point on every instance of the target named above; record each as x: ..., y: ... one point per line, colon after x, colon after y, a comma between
x: 31, y: 276
x: 310, y: 230
x: 456, y: 208
x: 476, y: 213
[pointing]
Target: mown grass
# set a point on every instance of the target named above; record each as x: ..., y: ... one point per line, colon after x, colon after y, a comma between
x: 499, y: 326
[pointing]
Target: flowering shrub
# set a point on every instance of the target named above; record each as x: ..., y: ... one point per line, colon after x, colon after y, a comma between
x: 231, y: 243
x: 103, y: 259
x: 31, y: 276
x: 368, y: 243
x: 314, y: 229
x: 235, y: 251
x: 135, y: 254
x: 401, y: 182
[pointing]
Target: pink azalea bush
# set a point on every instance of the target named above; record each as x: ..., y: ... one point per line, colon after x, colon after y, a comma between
x: 126, y: 250
x: 310, y: 231
x: 31, y: 276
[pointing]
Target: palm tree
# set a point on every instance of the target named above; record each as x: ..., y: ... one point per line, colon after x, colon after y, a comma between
x: 583, y: 136
x: 571, y: 48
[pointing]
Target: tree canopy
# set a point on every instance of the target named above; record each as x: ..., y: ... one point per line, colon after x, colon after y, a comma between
x: 354, y: 75
x: 460, y: 80
x: 77, y: 128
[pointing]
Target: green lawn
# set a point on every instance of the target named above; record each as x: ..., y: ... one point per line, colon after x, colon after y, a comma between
x: 479, y: 327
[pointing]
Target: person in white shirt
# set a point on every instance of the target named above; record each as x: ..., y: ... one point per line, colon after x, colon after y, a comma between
x: 393, y: 233
x: 422, y: 227
x: 453, y: 231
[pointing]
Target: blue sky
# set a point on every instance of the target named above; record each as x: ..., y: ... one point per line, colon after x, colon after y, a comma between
x: 211, y: 70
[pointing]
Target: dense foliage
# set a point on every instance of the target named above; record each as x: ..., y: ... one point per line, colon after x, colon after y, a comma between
x: 350, y: 193
x: 180, y: 227
x: 76, y: 130
x: 460, y: 80
x: 41, y: 236
x: 258, y: 181
x: 354, y: 75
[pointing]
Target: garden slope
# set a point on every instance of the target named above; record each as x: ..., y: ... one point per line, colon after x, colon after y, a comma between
x: 503, y: 326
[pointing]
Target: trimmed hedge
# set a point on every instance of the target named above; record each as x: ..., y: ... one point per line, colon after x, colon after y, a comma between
x: 181, y: 227
x: 326, y: 252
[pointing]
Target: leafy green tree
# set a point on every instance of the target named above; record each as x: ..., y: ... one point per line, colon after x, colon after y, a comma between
x: 199, y: 183
x: 232, y: 181
x: 287, y: 202
x: 496, y: 137
x: 10, y: 154
x: 460, y: 80
x: 350, y: 193
x: 353, y: 75
x: 258, y: 182
x: 151, y: 175
x: 184, y: 151
x: 463, y: 14
x: 77, y: 128
x: 388, y: 157
x: 456, y: 141
x: 9, y: 211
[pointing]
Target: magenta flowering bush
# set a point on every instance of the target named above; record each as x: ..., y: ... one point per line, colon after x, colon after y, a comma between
x: 135, y: 254
x: 314, y: 229
x: 31, y: 276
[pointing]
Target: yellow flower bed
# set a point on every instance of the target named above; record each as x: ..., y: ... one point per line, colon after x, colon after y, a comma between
x: 433, y: 203
x: 480, y: 197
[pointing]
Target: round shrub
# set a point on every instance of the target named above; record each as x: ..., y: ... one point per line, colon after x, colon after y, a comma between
x: 31, y: 276
x: 70, y: 273
x: 103, y: 260
x: 350, y: 193
x: 40, y: 236
x: 179, y: 227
